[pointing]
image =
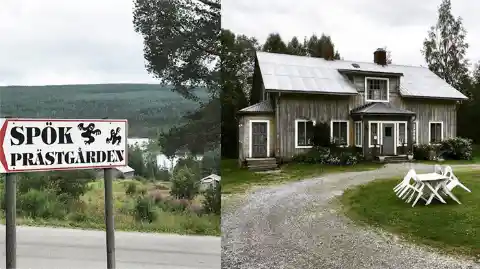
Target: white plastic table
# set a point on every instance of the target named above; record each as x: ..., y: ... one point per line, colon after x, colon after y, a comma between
x: 434, y: 183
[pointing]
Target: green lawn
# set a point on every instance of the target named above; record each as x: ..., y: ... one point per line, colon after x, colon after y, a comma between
x: 449, y: 227
x: 236, y: 180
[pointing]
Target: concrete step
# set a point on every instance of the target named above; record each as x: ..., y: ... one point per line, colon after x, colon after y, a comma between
x: 263, y: 164
x: 394, y: 159
x: 259, y: 168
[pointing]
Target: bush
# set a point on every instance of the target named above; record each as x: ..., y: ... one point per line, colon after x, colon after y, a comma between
x: 185, y: 184
x: 145, y: 209
x: 156, y: 196
x: 196, y: 209
x: 213, y: 200
x: 131, y: 188
x: 162, y: 175
x: 160, y: 186
x: 40, y: 204
x: 457, y: 148
x: 140, y: 179
x: 70, y: 184
x: 175, y: 205
x: 422, y: 152
x: 331, y: 156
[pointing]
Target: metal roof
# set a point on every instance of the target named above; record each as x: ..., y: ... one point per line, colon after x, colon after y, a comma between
x: 263, y: 106
x: 282, y: 72
x: 380, y: 108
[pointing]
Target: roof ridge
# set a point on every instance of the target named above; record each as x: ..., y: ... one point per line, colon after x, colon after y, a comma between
x: 340, y: 60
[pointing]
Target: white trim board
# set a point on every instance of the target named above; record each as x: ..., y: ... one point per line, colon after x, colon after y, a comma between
x: 355, y: 133
x: 250, y: 137
x: 348, y: 130
x: 398, y: 131
x: 430, y: 130
x: 296, y: 134
x: 366, y: 89
x: 415, y: 123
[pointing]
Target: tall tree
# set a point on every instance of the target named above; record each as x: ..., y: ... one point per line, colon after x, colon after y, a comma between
x: 238, y: 53
x: 389, y: 55
x: 322, y: 47
x: 275, y: 44
x: 468, y: 110
x: 294, y: 47
x: 445, y: 47
x: 182, y: 48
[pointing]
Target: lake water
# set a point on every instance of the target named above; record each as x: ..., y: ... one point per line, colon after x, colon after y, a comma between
x: 162, y: 160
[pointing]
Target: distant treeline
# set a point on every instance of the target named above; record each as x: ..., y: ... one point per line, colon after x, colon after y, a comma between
x: 149, y: 108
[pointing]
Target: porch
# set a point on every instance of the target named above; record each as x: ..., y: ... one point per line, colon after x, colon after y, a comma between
x: 383, y: 131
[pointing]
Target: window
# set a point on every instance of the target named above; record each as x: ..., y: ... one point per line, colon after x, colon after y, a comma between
x: 415, y: 132
x: 436, y: 132
x: 388, y: 131
x: 402, y: 133
x: 303, y: 133
x: 374, y: 134
x: 339, y: 132
x: 376, y: 89
x: 358, y: 134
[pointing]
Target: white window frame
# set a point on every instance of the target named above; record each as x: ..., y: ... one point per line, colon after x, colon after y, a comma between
x: 430, y: 131
x: 348, y: 130
x: 296, y: 134
x: 398, y: 131
x: 250, y: 153
x: 358, y: 124
x: 366, y: 89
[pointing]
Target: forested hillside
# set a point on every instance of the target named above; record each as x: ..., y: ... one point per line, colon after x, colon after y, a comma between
x: 148, y: 107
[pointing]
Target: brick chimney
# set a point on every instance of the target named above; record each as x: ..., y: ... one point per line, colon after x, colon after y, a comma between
x: 380, y: 56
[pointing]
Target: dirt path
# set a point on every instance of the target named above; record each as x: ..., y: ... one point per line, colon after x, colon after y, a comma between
x: 295, y: 226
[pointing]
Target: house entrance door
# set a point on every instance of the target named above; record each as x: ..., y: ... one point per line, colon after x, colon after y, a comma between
x: 388, y: 139
x: 259, y: 139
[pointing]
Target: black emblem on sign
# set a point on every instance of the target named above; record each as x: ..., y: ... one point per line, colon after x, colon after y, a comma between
x: 88, y: 132
x: 114, y: 137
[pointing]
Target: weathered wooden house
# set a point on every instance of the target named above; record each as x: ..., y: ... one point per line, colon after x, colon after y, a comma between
x: 366, y: 105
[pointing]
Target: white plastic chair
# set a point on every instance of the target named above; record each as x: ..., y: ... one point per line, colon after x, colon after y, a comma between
x: 438, y: 169
x: 453, y: 180
x: 406, y: 190
x: 406, y: 181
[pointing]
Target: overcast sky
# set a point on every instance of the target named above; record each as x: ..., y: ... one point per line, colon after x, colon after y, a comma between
x: 69, y: 42
x: 357, y: 27
x: 92, y: 41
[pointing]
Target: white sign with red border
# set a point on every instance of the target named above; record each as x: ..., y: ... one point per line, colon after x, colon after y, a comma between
x: 28, y: 145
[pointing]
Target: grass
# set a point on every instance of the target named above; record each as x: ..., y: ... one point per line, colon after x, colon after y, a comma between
x: 451, y: 228
x: 236, y: 180
x: 89, y: 213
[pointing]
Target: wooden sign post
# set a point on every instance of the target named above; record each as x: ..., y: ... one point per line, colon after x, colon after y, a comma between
x: 34, y: 145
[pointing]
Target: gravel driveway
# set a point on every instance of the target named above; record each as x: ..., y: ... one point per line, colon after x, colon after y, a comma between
x: 295, y: 226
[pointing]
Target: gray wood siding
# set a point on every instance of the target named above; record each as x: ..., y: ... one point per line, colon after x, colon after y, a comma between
x: 433, y: 110
x: 324, y: 108
x: 321, y: 108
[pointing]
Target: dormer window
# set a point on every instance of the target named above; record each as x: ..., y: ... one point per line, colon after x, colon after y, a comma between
x: 376, y: 89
